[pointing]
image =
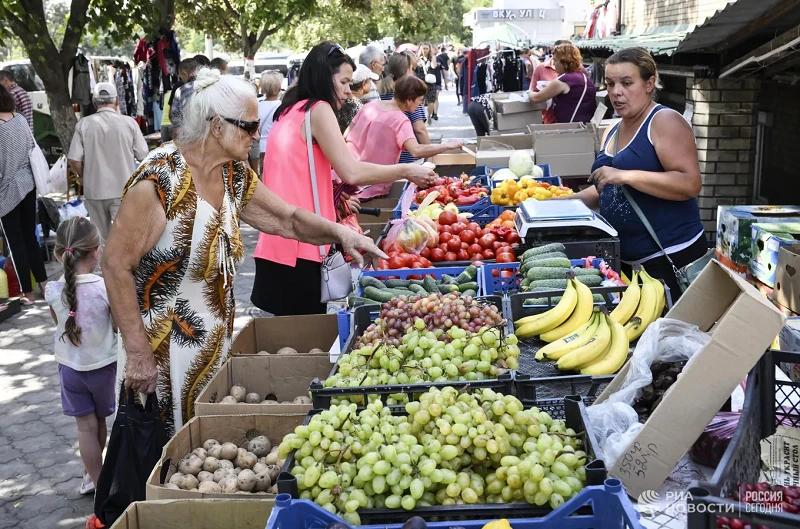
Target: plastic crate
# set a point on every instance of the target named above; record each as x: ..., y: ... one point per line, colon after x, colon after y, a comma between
x: 611, y: 509
x: 539, y: 383
x: 767, y: 402
x: 358, y: 320
x: 578, y: 247
x: 493, y: 285
x: 572, y: 410
x: 403, y: 273
x: 482, y: 209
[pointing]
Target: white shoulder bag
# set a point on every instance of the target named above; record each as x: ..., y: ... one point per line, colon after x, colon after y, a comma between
x: 40, y: 168
x: 337, y: 280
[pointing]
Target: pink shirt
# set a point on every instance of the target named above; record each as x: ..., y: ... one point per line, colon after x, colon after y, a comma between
x: 545, y: 72
x: 377, y: 136
x: 288, y: 174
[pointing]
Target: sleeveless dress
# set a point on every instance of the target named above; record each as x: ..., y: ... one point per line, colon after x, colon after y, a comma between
x: 577, y: 105
x: 184, y: 284
x: 676, y: 222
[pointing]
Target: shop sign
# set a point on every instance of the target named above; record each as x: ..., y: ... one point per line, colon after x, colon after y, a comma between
x: 517, y: 14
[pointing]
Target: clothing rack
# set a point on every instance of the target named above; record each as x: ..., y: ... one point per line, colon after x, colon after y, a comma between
x: 493, y: 54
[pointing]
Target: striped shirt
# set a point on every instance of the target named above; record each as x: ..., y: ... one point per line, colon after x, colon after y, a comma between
x: 417, y: 115
x: 16, y: 175
x: 22, y: 103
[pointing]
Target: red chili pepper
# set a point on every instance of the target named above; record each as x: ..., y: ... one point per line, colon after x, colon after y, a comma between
x: 467, y: 200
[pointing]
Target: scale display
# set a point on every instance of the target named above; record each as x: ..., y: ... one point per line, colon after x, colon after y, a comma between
x: 537, y: 216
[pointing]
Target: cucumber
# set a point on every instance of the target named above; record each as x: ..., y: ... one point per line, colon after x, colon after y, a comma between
x: 463, y: 277
x: 468, y: 286
x: 369, y: 281
x: 446, y: 289
x: 377, y: 294
x: 598, y: 298
x: 417, y: 282
x: 447, y: 279
x: 471, y: 293
x: 429, y: 285
x: 525, y: 284
x: 556, y: 262
x: 356, y: 301
x: 586, y: 271
x: 396, y: 283
x: 418, y: 290
x: 547, y: 248
x: 529, y: 263
x: 589, y: 281
x: 550, y: 272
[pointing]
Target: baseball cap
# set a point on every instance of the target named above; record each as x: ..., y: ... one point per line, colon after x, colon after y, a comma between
x: 363, y: 73
x: 105, y: 90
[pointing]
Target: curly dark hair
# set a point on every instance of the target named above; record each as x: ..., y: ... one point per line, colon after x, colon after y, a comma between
x: 7, y: 103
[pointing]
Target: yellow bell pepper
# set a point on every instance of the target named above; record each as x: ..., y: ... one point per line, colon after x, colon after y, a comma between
x: 527, y: 183
x: 498, y: 524
x: 512, y: 187
x: 520, y: 196
x: 500, y: 197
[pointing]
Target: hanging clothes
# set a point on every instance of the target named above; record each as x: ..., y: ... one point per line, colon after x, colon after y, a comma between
x: 140, y: 54
x: 119, y: 82
x: 138, y: 83
x: 81, y: 81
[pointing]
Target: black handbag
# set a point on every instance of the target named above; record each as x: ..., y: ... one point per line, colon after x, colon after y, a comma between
x: 137, y: 440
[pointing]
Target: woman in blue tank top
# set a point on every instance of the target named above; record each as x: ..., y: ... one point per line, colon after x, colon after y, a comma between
x: 652, y: 153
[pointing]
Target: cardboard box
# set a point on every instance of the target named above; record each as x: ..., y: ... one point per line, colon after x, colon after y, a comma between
x: 563, y: 138
x: 495, y: 151
x: 734, y: 230
x: 507, y: 122
x: 196, y: 514
x: 499, y: 158
x: 382, y: 203
x: 766, y: 240
x: 565, y: 165
x: 223, y: 428
x: 303, y: 333
x: 396, y: 190
x: 383, y: 218
x: 502, y: 104
x: 453, y: 164
x: 521, y: 130
x: 284, y: 377
x: 742, y: 324
x: 787, y: 280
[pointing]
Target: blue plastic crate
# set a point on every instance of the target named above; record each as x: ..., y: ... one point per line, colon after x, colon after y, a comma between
x: 611, y: 509
x: 491, y: 285
x: 475, y: 209
x: 436, y: 272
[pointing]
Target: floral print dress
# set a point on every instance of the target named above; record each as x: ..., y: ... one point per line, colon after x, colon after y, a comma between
x: 184, y: 284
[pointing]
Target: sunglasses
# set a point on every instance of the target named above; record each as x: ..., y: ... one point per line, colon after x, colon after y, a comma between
x: 335, y: 47
x: 250, y: 127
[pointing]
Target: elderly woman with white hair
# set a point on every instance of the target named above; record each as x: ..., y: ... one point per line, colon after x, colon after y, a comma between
x: 172, y: 255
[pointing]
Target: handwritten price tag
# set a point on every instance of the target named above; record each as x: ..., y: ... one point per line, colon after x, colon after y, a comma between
x: 635, y: 461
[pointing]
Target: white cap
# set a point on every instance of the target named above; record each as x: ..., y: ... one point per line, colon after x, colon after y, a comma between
x: 105, y: 90
x: 363, y: 73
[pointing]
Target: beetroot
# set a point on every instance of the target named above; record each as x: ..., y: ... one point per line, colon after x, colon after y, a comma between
x: 712, y: 443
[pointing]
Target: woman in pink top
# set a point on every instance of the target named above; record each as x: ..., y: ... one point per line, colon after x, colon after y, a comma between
x: 381, y: 130
x: 288, y: 273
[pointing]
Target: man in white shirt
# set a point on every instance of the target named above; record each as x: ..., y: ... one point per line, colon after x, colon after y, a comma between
x: 104, y: 151
x: 373, y: 58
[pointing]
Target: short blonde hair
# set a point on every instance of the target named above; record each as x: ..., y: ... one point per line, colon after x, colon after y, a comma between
x: 271, y: 83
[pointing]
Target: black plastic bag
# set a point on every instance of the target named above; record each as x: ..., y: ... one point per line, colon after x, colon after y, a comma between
x: 137, y: 439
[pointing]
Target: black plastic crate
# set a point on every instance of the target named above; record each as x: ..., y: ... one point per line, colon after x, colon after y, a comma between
x: 573, y: 411
x: 580, y: 248
x: 766, y: 404
x: 541, y: 382
x: 361, y: 318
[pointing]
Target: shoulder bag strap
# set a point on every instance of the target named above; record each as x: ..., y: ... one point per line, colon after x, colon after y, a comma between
x: 585, y: 87
x: 639, y: 211
x: 312, y: 168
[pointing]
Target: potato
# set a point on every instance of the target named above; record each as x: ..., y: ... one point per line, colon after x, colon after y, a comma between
x: 246, y: 480
x: 215, y: 451
x: 302, y: 400
x: 221, y: 473
x: 200, y: 453
x: 273, y: 471
x: 263, y: 353
x: 189, y: 482
x: 211, y: 464
x: 238, y: 392
x: 209, y: 487
x: 287, y: 402
x: 252, y: 398
x: 205, y: 476
x: 273, y: 489
x: 209, y: 443
x: 172, y: 486
x: 229, y: 400
x: 271, y: 458
x: 315, y: 351
x: 260, y: 446
x: 190, y: 464
x: 229, y: 451
x: 225, y: 464
x: 246, y: 460
x: 287, y: 351
x: 259, y: 467
x: 275, y: 449
x: 176, y: 478
x: 281, y: 462
x: 263, y: 481
x: 229, y: 484
x: 237, y: 470
x: 270, y: 402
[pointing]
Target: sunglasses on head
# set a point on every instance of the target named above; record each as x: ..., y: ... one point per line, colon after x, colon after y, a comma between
x: 335, y: 47
x: 249, y: 127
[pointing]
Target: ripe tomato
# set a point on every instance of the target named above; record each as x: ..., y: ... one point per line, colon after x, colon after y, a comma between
x: 476, y: 259
x: 450, y: 256
x: 506, y: 257
x: 426, y: 252
x: 463, y: 255
x: 477, y: 263
x: 425, y: 263
x: 437, y: 255
x: 496, y: 245
x: 513, y: 237
x: 487, y: 240
x: 383, y: 264
x: 412, y: 277
x: 464, y: 245
x: 468, y: 236
x: 458, y: 227
x: 443, y: 246
x: 446, y: 229
x: 495, y: 273
x: 454, y: 244
x: 394, y: 248
x: 479, y: 233
x: 444, y: 237
x: 447, y: 218
x: 506, y: 273
x: 408, y: 259
x: 474, y: 248
x: 396, y: 262
x: 417, y: 264
x: 473, y: 226
x: 488, y: 254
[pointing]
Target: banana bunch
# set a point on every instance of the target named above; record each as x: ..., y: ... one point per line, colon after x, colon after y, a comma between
x: 640, y: 306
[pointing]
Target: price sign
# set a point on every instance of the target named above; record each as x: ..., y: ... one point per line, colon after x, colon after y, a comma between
x: 635, y: 461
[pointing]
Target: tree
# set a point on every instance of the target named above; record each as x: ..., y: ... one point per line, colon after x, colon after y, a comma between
x: 245, y: 24
x: 27, y: 20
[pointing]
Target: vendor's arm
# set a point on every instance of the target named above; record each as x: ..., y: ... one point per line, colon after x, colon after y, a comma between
x: 137, y: 227
x: 326, y: 132
x: 589, y: 196
x: 554, y: 89
x: 267, y: 213
x: 426, y: 151
x: 675, y: 146
x: 421, y: 132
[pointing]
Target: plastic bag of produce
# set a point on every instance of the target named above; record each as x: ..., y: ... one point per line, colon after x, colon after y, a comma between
x: 615, y: 420
x: 712, y: 443
x: 411, y: 234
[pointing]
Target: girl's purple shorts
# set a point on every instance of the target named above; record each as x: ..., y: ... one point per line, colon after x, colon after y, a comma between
x: 85, y: 392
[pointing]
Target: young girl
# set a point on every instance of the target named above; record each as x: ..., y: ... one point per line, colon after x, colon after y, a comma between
x: 85, y: 341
